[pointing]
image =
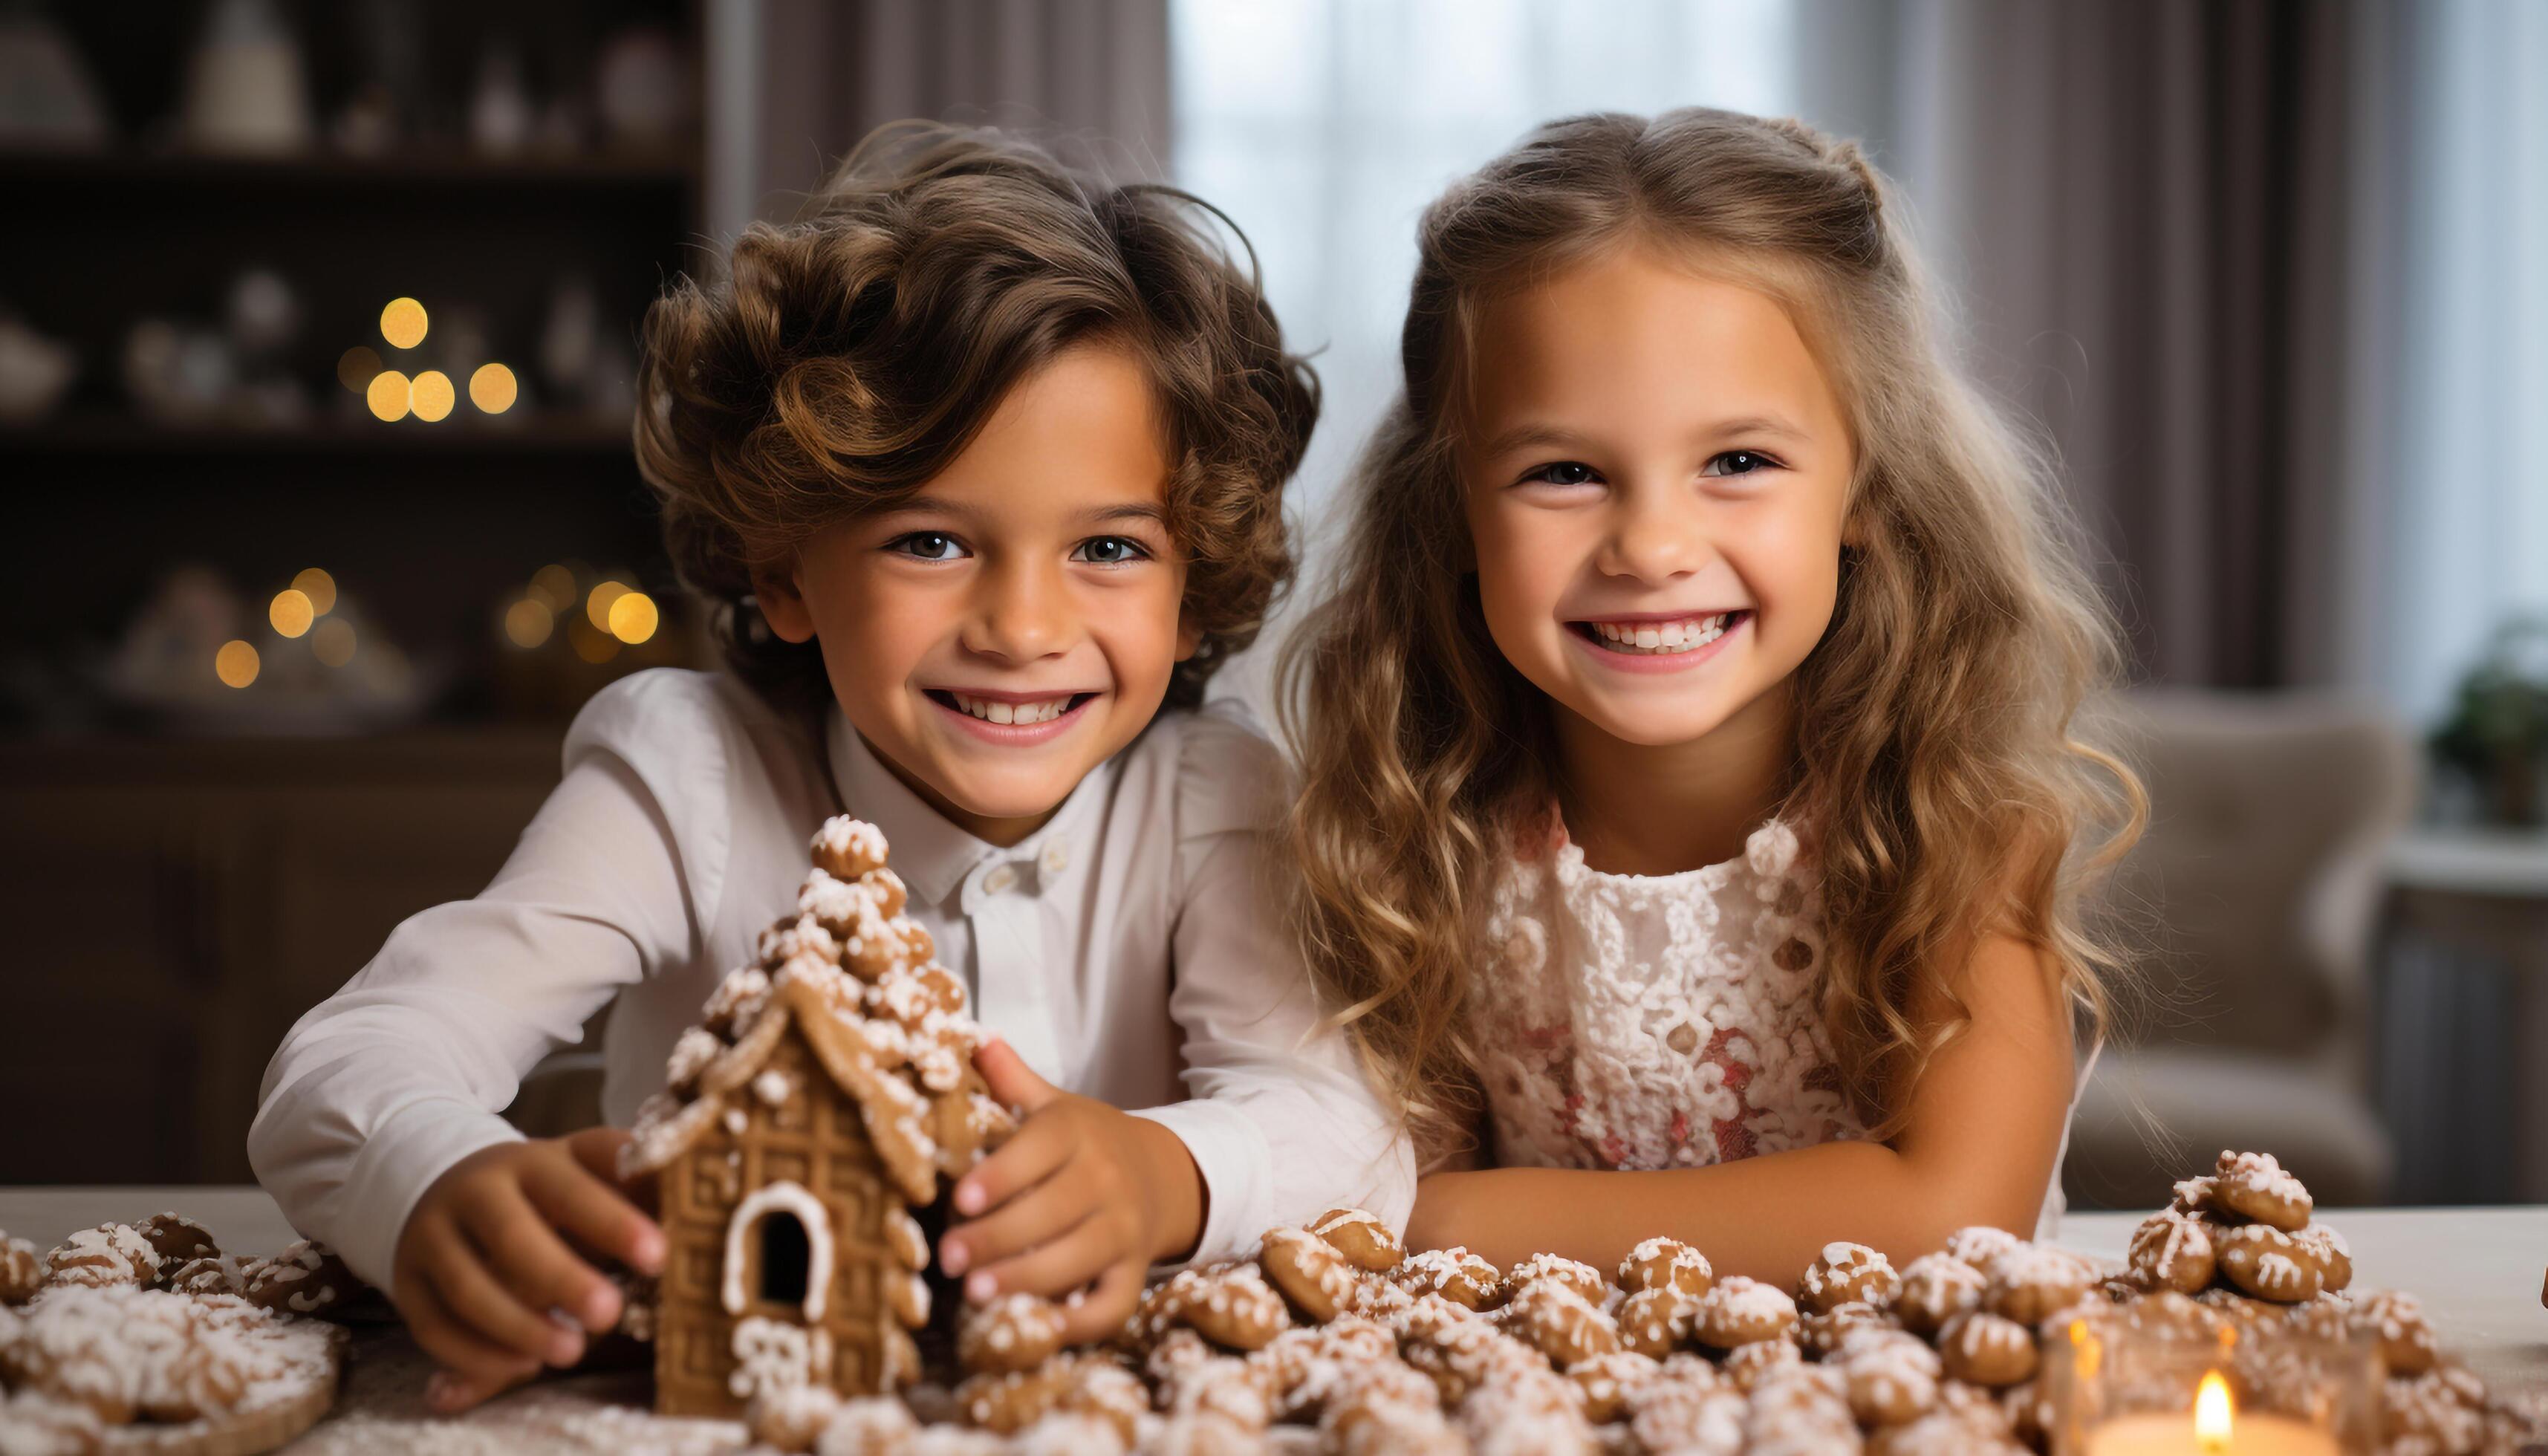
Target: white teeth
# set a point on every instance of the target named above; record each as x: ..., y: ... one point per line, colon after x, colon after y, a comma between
x: 1043, y: 710
x: 1686, y: 634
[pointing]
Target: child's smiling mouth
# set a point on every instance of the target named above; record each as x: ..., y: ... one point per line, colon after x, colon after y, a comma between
x: 1651, y: 635
x: 1012, y: 717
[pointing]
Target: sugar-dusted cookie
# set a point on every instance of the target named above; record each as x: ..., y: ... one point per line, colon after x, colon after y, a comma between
x: 1665, y: 1263
x: 846, y: 848
x: 2032, y: 1282
x: 107, y: 1255
x: 1936, y: 1288
x: 306, y: 1277
x: 1656, y: 1321
x: 219, y: 1274
x: 2264, y: 1261
x: 1747, y: 1364
x: 1610, y: 1381
x: 1740, y: 1311
x: 1367, y: 1243
x: 1892, y: 1377
x: 1009, y: 1402
x: 2408, y: 1345
x: 1584, y: 1279
x: 176, y: 1239
x: 1453, y: 1273
x: 791, y: 1418
x: 1312, y: 1273
x: 2253, y: 1185
x: 1552, y: 1317
x: 1986, y: 1349
x: 2172, y: 1250
x: 1980, y: 1245
x: 1011, y: 1332
x: 1104, y: 1391
x: 1823, y: 1333
x: 2335, y: 1256
x: 1460, y: 1358
x: 1848, y: 1273
x: 1235, y: 1309
x: 22, y: 1273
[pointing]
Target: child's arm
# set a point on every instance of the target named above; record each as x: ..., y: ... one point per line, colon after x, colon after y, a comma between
x: 384, y: 1092
x: 1984, y: 1128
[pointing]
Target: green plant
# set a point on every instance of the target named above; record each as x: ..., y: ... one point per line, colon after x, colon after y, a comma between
x: 2496, y: 733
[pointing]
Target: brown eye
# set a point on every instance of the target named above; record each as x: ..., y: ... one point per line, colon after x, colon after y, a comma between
x: 1109, y: 551
x: 1565, y: 472
x: 1740, y: 462
x: 926, y: 546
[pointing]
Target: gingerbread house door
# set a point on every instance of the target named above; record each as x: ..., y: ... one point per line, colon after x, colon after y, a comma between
x: 780, y: 1255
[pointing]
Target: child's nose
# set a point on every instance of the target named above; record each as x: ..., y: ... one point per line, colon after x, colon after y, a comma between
x: 1022, y: 614
x: 1655, y: 540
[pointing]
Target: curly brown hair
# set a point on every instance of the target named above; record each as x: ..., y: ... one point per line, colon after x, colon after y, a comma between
x: 851, y: 355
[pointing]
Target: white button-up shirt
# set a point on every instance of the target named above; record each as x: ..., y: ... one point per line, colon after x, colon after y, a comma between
x: 1131, y: 949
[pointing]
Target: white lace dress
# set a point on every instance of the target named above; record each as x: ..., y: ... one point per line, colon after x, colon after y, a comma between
x: 1655, y: 1021
x: 1658, y: 1021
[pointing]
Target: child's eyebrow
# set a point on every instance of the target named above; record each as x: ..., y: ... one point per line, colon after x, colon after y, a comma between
x: 1130, y: 511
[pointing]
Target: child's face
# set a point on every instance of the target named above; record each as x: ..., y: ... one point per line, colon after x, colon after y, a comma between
x: 1656, y: 486
x: 1014, y: 624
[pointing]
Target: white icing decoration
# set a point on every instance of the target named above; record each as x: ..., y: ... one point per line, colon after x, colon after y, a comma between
x: 790, y: 1198
x: 772, y: 1087
x: 771, y: 1355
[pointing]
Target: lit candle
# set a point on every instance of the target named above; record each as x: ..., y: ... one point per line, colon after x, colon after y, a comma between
x: 2216, y: 1430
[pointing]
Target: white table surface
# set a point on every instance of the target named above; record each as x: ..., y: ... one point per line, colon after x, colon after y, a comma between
x: 2478, y: 1272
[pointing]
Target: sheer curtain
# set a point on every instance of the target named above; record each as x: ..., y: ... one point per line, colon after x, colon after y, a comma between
x: 1324, y: 126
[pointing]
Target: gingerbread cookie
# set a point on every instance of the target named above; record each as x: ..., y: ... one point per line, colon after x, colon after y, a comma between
x: 847, y: 848
x: 22, y: 1273
x: 2253, y: 1185
x: 2407, y: 1343
x: 1892, y: 1378
x: 1009, y: 1402
x: 2172, y: 1250
x: 1453, y: 1273
x: 304, y: 1279
x: 108, y: 1255
x: 1552, y: 1317
x: 221, y: 1274
x: 1748, y: 1364
x: 1986, y: 1349
x: 791, y: 1418
x: 2264, y: 1261
x: 1665, y: 1263
x: 1848, y: 1273
x: 1823, y: 1333
x: 1458, y: 1358
x: 1011, y: 1332
x: 1675, y: 1415
x: 1980, y: 1245
x: 2333, y: 1255
x: 1312, y: 1273
x: 1654, y: 1321
x: 1106, y: 1393
x: 176, y: 1239
x: 1366, y: 1242
x: 1936, y: 1288
x: 1739, y: 1311
x: 1235, y: 1309
x: 1609, y: 1382
x: 2194, y: 1196
x: 2032, y: 1282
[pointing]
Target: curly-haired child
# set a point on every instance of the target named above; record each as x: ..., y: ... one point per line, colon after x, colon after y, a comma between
x: 1689, y: 790
x: 977, y: 467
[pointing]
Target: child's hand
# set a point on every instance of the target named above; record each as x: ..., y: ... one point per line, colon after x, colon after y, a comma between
x: 1084, y: 1193
x: 485, y: 1276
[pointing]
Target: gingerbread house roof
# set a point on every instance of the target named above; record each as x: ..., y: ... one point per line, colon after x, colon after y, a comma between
x: 886, y: 1024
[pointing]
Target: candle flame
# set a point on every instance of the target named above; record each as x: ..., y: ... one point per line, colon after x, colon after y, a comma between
x: 2212, y: 1416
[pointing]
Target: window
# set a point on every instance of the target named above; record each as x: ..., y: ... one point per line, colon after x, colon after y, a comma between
x: 787, y: 1259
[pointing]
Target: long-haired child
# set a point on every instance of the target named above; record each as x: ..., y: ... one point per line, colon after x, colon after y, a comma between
x: 1690, y: 801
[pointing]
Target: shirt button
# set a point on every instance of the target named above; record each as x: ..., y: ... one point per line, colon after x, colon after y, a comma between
x: 1057, y: 857
x: 999, y: 879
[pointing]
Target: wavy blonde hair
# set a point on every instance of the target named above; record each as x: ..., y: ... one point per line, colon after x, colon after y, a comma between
x: 1936, y: 775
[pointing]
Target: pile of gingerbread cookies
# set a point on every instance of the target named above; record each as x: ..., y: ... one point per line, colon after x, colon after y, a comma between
x: 1331, y: 1338
x: 147, y: 1337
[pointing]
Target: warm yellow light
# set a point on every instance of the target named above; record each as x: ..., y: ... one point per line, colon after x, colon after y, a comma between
x: 590, y: 642
x: 234, y: 663
x: 597, y: 605
x: 528, y: 622
x: 402, y: 323
x: 633, y: 619
x: 433, y: 396
x: 333, y: 643
x: 320, y: 588
x: 356, y: 366
x: 553, y: 587
x: 387, y: 394
x: 2212, y: 1415
x: 291, y: 613
x: 492, y: 389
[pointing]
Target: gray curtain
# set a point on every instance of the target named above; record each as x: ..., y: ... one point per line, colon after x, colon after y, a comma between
x: 798, y: 82
x: 2165, y: 220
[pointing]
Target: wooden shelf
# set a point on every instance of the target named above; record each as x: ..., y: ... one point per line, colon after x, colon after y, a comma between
x: 103, y: 435
x: 156, y: 172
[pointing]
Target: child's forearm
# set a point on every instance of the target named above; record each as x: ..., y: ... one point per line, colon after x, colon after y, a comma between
x: 1175, y: 1188
x: 1767, y: 1217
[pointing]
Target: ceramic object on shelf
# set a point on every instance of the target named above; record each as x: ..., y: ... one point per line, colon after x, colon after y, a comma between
x: 246, y: 86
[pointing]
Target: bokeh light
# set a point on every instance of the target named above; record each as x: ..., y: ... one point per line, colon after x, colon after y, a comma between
x: 333, y: 643
x: 633, y: 618
x: 236, y: 664
x: 356, y: 366
x: 402, y: 323
x: 318, y: 586
x: 528, y: 622
x: 590, y: 642
x: 431, y: 396
x: 597, y: 605
x: 553, y: 587
x: 492, y: 389
x: 388, y: 395
x: 291, y: 613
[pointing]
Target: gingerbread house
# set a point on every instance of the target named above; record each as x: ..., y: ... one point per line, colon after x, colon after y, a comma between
x: 824, y: 1094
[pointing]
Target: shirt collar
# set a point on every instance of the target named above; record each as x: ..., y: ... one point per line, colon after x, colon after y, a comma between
x: 932, y: 856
